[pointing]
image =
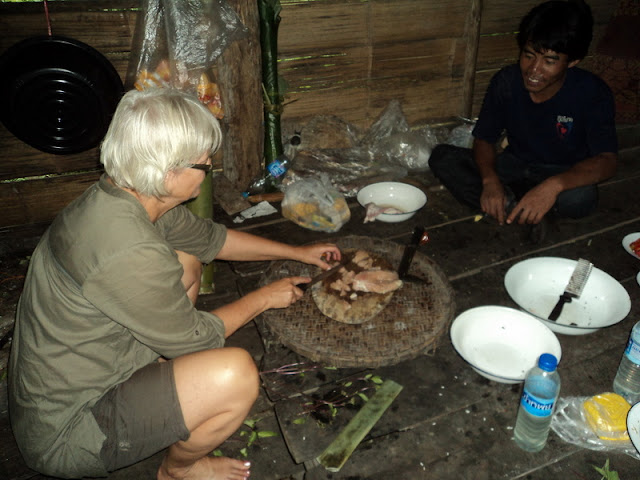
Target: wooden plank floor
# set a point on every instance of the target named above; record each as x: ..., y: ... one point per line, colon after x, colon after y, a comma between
x: 448, y: 422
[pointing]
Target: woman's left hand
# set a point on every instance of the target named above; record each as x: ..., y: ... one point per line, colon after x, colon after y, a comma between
x: 319, y: 254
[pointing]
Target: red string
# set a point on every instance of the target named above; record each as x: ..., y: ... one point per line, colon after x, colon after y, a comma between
x: 46, y: 13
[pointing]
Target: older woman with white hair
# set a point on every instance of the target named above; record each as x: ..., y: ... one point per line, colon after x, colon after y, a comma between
x: 111, y: 362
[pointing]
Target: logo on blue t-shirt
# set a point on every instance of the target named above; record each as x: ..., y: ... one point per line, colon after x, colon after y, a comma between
x: 564, y: 125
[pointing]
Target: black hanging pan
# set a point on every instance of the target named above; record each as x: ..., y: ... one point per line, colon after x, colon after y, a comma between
x: 57, y: 94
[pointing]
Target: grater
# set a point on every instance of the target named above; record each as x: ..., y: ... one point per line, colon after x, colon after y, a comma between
x: 574, y: 288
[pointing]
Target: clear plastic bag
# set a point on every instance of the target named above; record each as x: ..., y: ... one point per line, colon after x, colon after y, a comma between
x: 461, y: 135
x: 349, y: 169
x: 390, y: 140
x: 570, y: 424
x: 390, y: 122
x: 313, y: 203
x: 176, y: 43
x: 410, y: 149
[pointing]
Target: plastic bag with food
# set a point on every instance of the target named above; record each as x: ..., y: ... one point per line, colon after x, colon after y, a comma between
x: 313, y: 203
x: 595, y: 423
x: 177, y: 42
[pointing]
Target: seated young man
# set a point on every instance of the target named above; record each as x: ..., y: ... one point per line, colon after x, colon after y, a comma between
x: 559, y: 122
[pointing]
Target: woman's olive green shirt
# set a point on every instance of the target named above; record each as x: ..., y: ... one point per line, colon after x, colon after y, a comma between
x: 103, y: 297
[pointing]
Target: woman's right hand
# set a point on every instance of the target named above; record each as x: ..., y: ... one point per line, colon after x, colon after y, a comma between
x: 283, y: 292
x: 279, y: 294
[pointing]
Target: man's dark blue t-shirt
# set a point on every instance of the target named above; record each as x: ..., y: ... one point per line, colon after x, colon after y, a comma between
x: 576, y: 123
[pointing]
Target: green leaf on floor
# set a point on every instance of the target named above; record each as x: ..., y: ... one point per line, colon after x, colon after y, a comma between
x: 606, y: 473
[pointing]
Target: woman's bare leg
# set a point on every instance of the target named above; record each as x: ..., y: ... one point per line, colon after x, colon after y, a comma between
x: 192, y: 275
x: 216, y: 389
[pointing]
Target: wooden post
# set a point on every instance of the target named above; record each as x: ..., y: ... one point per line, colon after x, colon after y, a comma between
x: 240, y: 79
x: 471, y: 56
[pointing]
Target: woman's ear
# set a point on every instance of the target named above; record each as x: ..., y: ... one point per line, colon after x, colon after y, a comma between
x: 169, y: 180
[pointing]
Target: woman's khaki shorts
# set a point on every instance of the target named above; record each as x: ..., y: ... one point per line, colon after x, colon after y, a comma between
x: 140, y: 417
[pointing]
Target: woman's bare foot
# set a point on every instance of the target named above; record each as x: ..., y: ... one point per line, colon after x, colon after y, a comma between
x: 207, y: 468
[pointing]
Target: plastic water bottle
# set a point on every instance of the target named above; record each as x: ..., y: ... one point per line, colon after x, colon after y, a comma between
x: 541, y: 390
x: 627, y: 381
x: 269, y: 181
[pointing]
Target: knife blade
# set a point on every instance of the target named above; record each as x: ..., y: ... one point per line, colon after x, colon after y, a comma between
x: 321, y: 276
x: 419, y: 238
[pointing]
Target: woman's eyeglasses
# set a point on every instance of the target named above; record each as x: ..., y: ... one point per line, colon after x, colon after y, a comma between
x: 205, y: 167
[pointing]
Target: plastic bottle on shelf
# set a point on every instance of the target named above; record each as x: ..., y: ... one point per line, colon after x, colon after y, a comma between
x: 541, y: 390
x: 272, y: 177
x: 627, y: 380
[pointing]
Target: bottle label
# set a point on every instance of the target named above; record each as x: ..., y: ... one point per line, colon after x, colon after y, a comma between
x: 633, y: 351
x: 276, y: 169
x: 538, y: 407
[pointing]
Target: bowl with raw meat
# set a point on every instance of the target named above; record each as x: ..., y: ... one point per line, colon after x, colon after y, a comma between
x: 391, y: 202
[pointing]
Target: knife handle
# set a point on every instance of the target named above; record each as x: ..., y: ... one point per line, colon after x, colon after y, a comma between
x: 557, y: 310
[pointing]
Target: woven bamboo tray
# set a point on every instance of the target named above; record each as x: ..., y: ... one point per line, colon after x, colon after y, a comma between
x: 417, y: 315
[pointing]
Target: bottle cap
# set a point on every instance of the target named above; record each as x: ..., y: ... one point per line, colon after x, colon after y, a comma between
x: 547, y: 362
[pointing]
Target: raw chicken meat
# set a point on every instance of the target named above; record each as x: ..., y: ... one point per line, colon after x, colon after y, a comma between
x: 373, y: 210
x: 358, y: 290
x: 376, y: 281
x: 363, y: 260
x: 362, y: 273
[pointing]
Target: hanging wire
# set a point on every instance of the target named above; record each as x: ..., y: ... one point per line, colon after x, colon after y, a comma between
x: 46, y: 14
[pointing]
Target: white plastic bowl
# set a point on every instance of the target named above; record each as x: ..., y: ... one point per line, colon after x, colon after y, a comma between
x: 502, y: 343
x: 402, y: 196
x: 537, y: 283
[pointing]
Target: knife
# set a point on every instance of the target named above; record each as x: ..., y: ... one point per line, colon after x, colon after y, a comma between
x: 318, y: 278
x: 419, y: 237
x: 574, y: 288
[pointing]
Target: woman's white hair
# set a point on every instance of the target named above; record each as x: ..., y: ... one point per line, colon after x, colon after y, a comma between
x: 153, y: 132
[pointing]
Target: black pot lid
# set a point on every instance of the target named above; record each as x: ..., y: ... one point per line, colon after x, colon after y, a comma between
x: 57, y: 94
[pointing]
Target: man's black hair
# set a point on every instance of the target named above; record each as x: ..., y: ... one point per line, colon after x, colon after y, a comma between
x: 562, y: 26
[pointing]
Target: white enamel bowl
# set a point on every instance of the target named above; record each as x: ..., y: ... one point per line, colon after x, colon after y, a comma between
x: 537, y: 283
x: 404, y: 197
x: 633, y: 426
x: 502, y: 343
x: 628, y: 240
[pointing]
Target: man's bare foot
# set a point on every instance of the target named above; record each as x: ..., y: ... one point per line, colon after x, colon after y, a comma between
x: 207, y: 468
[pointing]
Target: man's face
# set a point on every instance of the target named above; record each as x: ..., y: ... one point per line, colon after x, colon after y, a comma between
x: 543, y: 73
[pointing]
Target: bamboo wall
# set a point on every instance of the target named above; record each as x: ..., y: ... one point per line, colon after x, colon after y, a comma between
x: 346, y: 58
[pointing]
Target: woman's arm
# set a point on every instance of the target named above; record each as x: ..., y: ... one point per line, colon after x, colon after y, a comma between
x: 244, y: 246
x: 279, y: 294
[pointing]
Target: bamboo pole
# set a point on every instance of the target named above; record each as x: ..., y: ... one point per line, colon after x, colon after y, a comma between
x: 202, y: 206
x: 269, y: 11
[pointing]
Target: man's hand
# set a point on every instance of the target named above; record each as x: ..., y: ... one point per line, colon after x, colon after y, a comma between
x: 493, y: 200
x: 535, y: 204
